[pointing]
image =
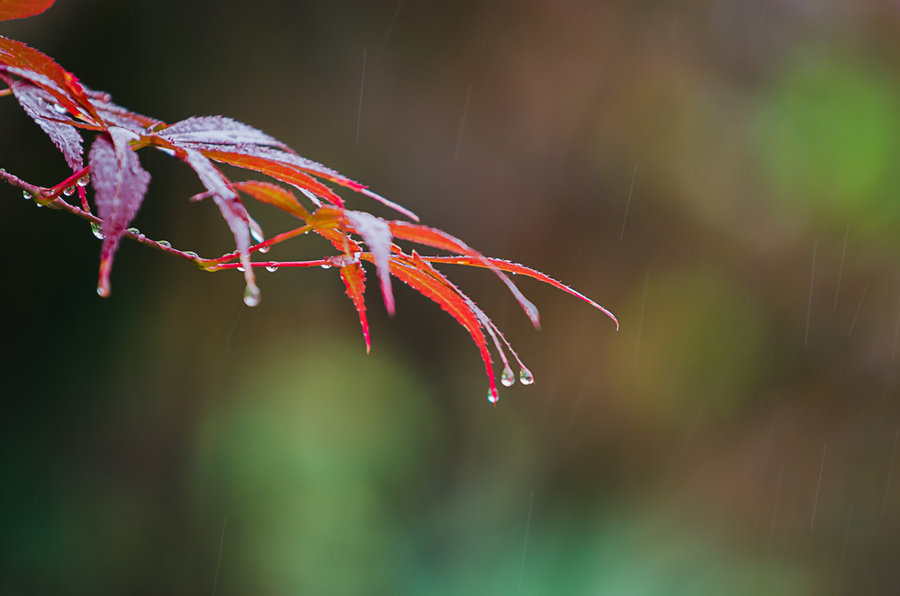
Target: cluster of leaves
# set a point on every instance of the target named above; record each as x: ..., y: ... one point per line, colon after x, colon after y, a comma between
x: 64, y: 109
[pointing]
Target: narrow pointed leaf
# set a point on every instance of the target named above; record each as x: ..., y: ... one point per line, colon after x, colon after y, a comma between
x: 519, y: 269
x: 120, y: 184
x: 442, y: 240
x: 376, y: 233
x: 230, y: 206
x: 28, y: 63
x: 37, y: 103
x: 266, y: 192
x: 354, y: 278
x: 20, y: 9
x: 452, y: 301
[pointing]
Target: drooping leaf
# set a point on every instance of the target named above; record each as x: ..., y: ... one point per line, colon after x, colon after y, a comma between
x: 28, y: 63
x: 519, y: 269
x: 37, y: 103
x: 354, y: 278
x: 266, y: 192
x: 232, y: 210
x: 20, y: 9
x: 376, y: 233
x: 120, y: 184
x: 442, y: 240
x: 449, y: 299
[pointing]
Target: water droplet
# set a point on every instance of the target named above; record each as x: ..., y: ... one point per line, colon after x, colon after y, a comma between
x: 59, y: 109
x: 326, y: 265
x: 256, y: 232
x: 97, y: 230
x: 102, y: 292
x: 84, y: 180
x: 271, y: 268
x: 492, y: 396
x: 508, y: 378
x: 69, y: 191
x: 27, y: 195
x: 264, y: 249
x: 251, y: 296
x: 165, y: 243
x: 134, y: 231
x: 192, y: 254
x: 240, y: 268
x: 525, y: 376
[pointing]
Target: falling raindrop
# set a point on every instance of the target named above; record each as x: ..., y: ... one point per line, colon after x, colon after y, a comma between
x: 97, y: 230
x: 165, y: 244
x: 271, y: 268
x: 69, y: 191
x: 508, y: 378
x: 251, y: 296
x: 84, y: 180
x: 492, y: 395
x: 525, y: 376
x: 134, y: 231
x: 27, y: 195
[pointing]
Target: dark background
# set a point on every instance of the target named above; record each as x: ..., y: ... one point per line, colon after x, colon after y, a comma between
x: 722, y: 175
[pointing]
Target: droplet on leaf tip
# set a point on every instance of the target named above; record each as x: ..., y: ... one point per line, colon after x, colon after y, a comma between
x: 69, y: 191
x: 97, y: 230
x: 508, y: 378
x: 102, y: 291
x: 525, y: 376
x: 251, y: 296
x: 492, y: 396
x: 27, y: 195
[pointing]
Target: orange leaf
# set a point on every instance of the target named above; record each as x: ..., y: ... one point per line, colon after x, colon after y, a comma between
x: 510, y: 267
x: 41, y: 70
x: 451, y: 300
x: 355, y: 282
x: 19, y: 9
x: 266, y: 192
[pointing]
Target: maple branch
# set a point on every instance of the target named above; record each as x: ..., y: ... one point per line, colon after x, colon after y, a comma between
x: 49, y: 197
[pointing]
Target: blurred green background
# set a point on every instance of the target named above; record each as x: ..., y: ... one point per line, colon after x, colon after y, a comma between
x: 723, y: 175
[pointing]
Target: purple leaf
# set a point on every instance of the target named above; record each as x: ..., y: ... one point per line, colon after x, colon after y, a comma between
x: 44, y: 110
x: 217, y: 130
x: 376, y: 233
x: 232, y: 210
x: 120, y: 184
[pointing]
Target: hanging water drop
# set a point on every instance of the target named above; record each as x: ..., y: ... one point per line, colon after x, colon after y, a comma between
x: 326, y: 265
x: 256, y: 232
x: 264, y: 249
x: 271, y: 268
x: 508, y: 378
x: 251, y: 296
x: 27, y: 195
x: 165, y: 244
x: 492, y: 396
x: 97, y: 230
x: 240, y: 268
x: 525, y: 376
x: 69, y: 191
x: 84, y: 180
